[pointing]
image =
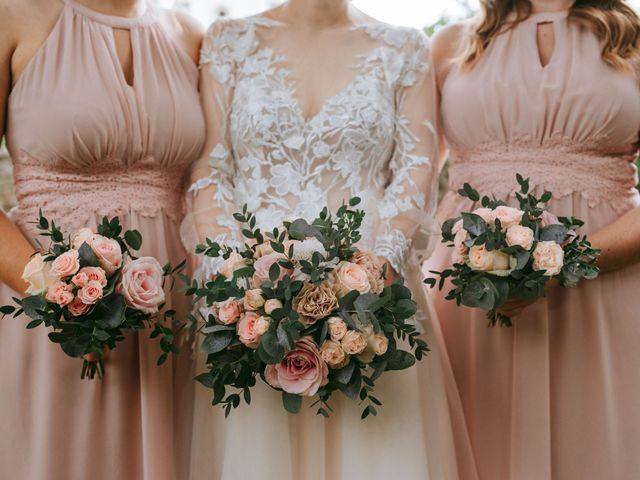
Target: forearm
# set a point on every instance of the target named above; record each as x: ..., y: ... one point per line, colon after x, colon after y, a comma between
x: 15, y: 252
x: 619, y: 242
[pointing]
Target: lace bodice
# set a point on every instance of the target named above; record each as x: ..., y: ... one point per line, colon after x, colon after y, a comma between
x: 374, y: 138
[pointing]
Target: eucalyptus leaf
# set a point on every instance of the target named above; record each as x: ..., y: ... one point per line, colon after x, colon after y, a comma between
x: 292, y: 403
x: 217, y: 341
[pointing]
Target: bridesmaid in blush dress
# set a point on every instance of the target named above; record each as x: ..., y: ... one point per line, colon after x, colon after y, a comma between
x: 102, y: 118
x: 556, y: 396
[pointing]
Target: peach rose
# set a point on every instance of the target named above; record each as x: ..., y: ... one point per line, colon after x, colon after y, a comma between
x: 77, y: 307
x: 227, y: 312
x: 508, y: 216
x: 488, y: 215
x: 253, y: 299
x: 301, y: 372
x: 263, y: 265
x: 91, y: 293
x: 337, y: 328
x: 108, y: 253
x: 519, y: 235
x: 377, y: 344
x: 272, y: 305
x: 333, y: 354
x: 374, y: 268
x: 315, y: 302
x: 86, y: 274
x: 84, y: 235
x: 548, y: 256
x: 141, y: 285
x: 348, y: 277
x: 37, y: 273
x: 483, y: 260
x: 60, y: 293
x: 353, y: 342
x: 66, y: 264
x: 231, y: 264
x: 263, y: 249
x: 548, y: 219
x: 251, y: 327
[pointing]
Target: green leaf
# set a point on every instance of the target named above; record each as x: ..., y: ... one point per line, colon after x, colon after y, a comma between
x: 271, y: 345
x: 217, y: 341
x: 33, y: 306
x: 554, y: 233
x: 400, y: 360
x: 274, y: 272
x: 474, y: 224
x: 111, y: 310
x: 7, y: 310
x: 133, y: 239
x: 345, y: 374
x: 292, y: 403
x: 354, y: 202
x: 86, y: 256
x: 405, y: 309
x: 205, y: 379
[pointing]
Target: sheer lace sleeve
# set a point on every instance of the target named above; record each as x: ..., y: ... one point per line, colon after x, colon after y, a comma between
x: 210, y: 196
x: 407, y: 212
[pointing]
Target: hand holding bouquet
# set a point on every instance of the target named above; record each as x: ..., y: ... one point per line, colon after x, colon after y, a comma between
x: 305, y: 310
x: 503, y: 253
x: 91, y: 289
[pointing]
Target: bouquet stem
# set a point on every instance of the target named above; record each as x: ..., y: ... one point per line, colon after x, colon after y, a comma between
x: 495, y: 317
x: 92, y: 368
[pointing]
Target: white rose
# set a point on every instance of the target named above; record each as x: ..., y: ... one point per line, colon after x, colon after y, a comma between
x: 37, y: 273
x: 548, y: 256
x: 521, y: 236
x: 483, y: 260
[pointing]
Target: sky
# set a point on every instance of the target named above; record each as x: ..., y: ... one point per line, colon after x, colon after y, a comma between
x: 413, y: 13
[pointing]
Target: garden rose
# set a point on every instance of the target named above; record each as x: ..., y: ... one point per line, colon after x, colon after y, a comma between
x: 66, y: 264
x: 508, y: 216
x: 304, y: 250
x: 374, y: 268
x: 37, y: 273
x: 272, y: 305
x: 108, y: 253
x: 84, y: 235
x: 301, y: 372
x: 91, y: 293
x: 377, y: 344
x: 521, y: 236
x: 263, y: 265
x: 333, y: 354
x: 337, y: 328
x: 548, y: 256
x: 231, y: 264
x: 60, y: 293
x: 77, y: 307
x: 315, y: 302
x: 227, y: 312
x: 483, y: 260
x: 141, y: 284
x: 253, y: 299
x: 251, y: 327
x: 488, y: 215
x: 461, y: 236
x: 547, y: 219
x: 353, y: 342
x: 348, y: 277
x: 86, y: 274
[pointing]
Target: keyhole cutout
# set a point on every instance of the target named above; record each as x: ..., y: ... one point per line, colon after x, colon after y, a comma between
x: 546, y: 40
x: 124, y: 50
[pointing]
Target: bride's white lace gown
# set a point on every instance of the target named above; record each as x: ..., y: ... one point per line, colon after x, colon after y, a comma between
x: 370, y: 134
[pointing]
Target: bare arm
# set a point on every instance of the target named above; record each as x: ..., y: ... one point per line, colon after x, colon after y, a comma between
x: 15, y: 250
x: 619, y: 242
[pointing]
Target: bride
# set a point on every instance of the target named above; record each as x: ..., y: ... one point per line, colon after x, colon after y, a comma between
x: 308, y: 105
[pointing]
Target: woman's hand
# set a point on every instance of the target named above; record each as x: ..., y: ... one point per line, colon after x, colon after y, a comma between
x: 390, y: 274
x: 514, y: 307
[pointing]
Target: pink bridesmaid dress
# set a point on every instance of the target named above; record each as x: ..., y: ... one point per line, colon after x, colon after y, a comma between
x: 557, y: 396
x: 85, y: 144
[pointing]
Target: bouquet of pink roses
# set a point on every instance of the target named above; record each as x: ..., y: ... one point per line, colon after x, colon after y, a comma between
x: 503, y: 253
x: 305, y: 310
x: 91, y: 289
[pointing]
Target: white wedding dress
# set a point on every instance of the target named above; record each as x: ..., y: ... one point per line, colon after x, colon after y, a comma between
x: 373, y: 137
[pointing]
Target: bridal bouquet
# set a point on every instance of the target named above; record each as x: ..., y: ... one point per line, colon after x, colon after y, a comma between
x: 503, y: 253
x: 91, y: 289
x: 305, y: 310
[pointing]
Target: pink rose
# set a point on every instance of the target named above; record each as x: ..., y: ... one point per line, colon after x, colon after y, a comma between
x: 548, y: 256
x: 253, y: 299
x: 231, y: 264
x: 488, y: 215
x: 337, y: 328
x: 548, y: 218
x: 251, y: 327
x: 333, y: 354
x: 353, y: 342
x: 483, y: 260
x: 77, y: 307
x: 141, y: 285
x: 301, y: 372
x: 272, y: 305
x: 263, y: 265
x: 461, y: 236
x: 508, y: 216
x: 37, y: 273
x: 91, y: 293
x: 87, y: 274
x: 521, y: 236
x: 60, y: 293
x: 348, y: 277
x: 108, y: 253
x: 227, y: 312
x: 84, y: 235
x: 66, y: 264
